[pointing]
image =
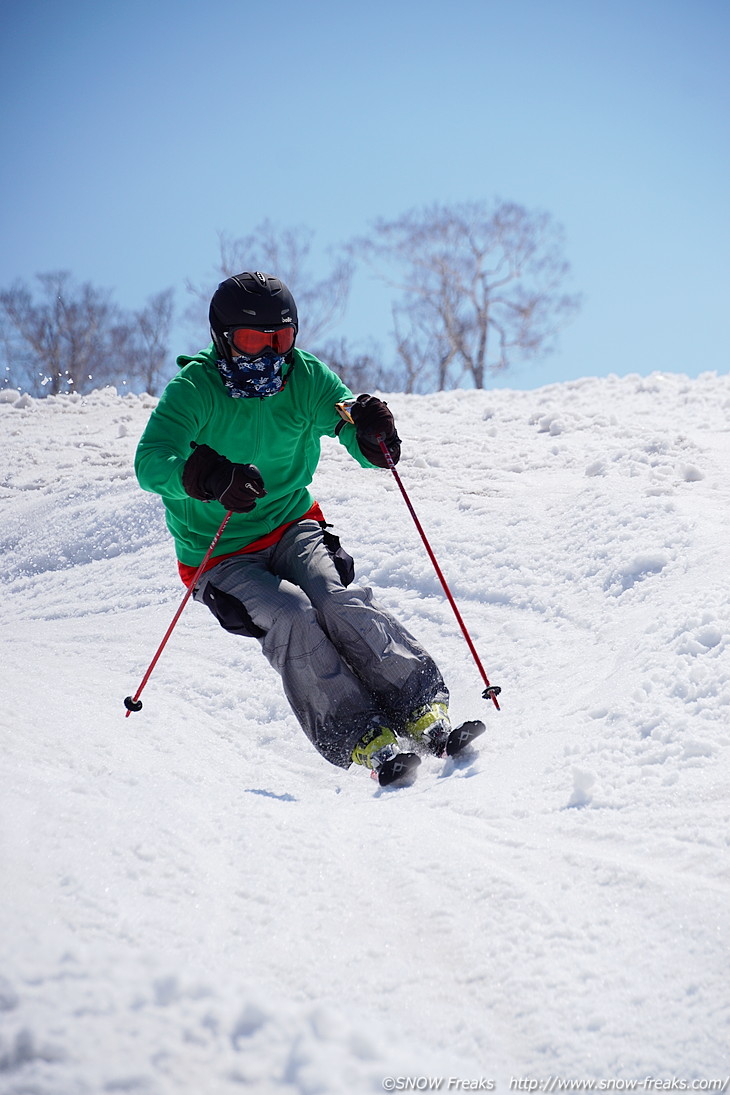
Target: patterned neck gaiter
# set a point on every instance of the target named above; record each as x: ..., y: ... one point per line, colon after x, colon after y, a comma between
x: 245, y: 379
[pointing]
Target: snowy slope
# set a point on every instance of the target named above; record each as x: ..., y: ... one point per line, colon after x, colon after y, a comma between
x: 194, y: 902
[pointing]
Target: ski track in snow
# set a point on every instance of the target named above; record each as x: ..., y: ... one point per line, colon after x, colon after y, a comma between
x: 195, y: 902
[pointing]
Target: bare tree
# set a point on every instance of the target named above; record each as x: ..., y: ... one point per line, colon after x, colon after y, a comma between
x: 285, y: 253
x: 154, y: 322
x: 141, y: 342
x: 75, y: 338
x: 481, y: 288
x: 56, y: 343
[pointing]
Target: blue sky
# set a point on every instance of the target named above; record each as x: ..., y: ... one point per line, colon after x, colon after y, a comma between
x: 133, y: 133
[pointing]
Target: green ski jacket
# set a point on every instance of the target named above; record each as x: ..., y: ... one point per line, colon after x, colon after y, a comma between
x: 279, y: 433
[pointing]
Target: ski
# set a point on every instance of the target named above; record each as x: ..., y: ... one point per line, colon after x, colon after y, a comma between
x: 402, y: 767
x: 450, y: 744
x: 397, y: 770
x: 463, y: 735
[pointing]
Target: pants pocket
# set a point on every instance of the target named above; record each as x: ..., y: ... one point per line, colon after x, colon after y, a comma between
x: 230, y: 613
x: 344, y: 563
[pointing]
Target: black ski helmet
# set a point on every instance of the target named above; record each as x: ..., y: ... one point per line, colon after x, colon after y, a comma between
x: 250, y: 300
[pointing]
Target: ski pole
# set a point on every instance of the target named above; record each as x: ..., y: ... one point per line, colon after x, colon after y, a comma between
x: 134, y: 703
x: 492, y: 690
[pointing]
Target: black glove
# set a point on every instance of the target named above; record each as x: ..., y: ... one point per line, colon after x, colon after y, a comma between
x: 373, y: 420
x: 208, y: 476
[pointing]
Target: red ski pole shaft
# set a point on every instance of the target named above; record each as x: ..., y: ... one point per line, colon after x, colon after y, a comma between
x: 491, y: 691
x: 133, y: 703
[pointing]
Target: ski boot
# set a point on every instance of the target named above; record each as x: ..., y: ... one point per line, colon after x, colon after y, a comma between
x: 378, y: 750
x: 429, y: 725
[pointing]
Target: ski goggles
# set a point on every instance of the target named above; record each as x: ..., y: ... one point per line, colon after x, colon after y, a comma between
x: 251, y: 341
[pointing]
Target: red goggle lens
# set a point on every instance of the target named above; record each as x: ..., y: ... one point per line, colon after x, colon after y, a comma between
x: 249, y: 341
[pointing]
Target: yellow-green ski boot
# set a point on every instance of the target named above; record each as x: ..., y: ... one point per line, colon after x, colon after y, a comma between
x: 429, y: 725
x: 378, y: 750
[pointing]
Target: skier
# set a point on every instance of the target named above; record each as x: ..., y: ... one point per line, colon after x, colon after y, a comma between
x: 239, y: 428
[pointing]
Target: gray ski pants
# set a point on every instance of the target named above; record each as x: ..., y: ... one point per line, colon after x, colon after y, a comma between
x: 343, y: 659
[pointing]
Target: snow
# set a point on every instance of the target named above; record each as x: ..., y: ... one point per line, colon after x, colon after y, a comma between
x: 195, y: 902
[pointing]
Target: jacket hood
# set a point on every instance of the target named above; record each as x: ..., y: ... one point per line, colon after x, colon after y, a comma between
x: 209, y: 356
